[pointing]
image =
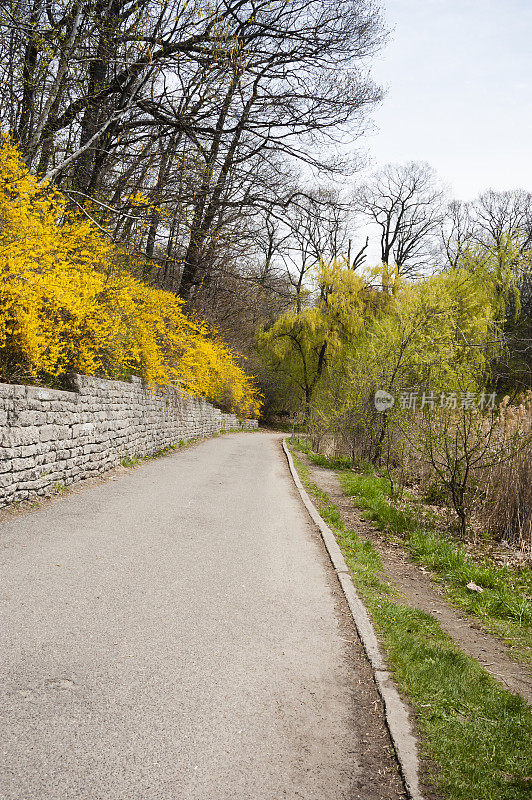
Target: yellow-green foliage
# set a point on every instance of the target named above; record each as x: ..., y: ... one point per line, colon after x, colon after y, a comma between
x: 439, y: 332
x: 301, y: 343
x: 67, y: 303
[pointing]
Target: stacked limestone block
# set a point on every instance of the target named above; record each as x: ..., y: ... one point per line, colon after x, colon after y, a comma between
x: 50, y: 438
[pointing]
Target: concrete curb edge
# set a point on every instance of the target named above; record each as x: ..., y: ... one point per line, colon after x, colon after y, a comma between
x: 396, y: 714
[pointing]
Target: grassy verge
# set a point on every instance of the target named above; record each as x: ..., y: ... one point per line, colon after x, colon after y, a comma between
x: 504, y: 607
x: 505, y: 604
x: 475, y: 734
x: 134, y: 461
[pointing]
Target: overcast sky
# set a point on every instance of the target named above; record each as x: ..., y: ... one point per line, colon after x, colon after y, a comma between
x: 458, y: 75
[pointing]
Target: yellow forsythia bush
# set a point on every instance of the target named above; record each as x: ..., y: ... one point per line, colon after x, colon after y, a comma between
x: 67, y: 304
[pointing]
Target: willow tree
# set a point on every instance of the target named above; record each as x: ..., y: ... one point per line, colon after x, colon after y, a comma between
x: 304, y: 341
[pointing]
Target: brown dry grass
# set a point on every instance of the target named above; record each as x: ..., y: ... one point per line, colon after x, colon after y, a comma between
x: 500, y: 494
x: 506, y: 492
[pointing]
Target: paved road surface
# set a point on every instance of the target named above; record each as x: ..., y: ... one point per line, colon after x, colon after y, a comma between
x: 177, y: 633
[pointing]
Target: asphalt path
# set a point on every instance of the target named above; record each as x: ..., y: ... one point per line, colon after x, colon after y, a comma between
x: 178, y: 633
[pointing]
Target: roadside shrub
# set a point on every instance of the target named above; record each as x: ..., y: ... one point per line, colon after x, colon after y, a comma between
x: 69, y: 303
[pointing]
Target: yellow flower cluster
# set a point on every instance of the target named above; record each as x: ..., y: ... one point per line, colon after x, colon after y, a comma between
x: 67, y: 303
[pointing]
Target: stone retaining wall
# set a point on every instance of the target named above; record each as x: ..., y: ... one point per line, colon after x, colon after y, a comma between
x: 50, y: 439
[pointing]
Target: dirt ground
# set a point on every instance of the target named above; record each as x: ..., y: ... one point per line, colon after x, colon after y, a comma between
x: 415, y: 585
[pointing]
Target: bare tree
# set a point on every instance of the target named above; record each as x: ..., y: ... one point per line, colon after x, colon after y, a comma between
x: 405, y: 202
x: 317, y: 225
x: 457, y: 233
x: 497, y: 215
x: 298, y: 86
x: 499, y: 225
x: 179, y: 103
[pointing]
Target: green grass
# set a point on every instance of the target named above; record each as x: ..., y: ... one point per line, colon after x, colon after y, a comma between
x: 339, y: 462
x: 165, y: 450
x: 134, y: 461
x: 474, y: 733
x: 505, y: 605
x: 59, y: 488
x: 130, y: 462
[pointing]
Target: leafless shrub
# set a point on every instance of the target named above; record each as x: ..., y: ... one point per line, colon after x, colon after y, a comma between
x: 505, y: 509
